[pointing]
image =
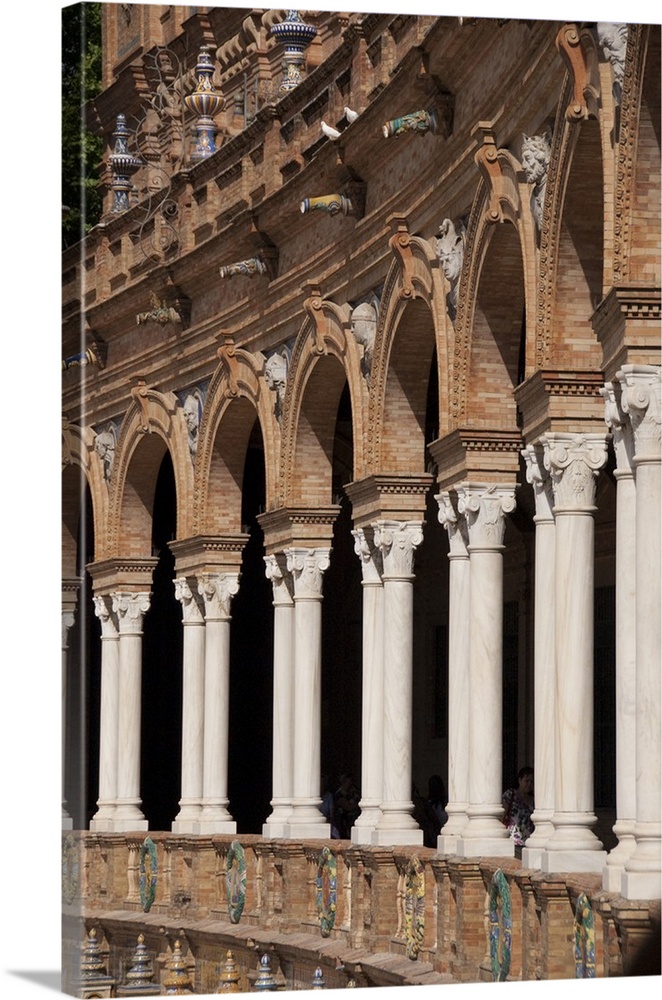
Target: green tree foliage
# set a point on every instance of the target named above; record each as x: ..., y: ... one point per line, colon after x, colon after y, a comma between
x: 81, y: 150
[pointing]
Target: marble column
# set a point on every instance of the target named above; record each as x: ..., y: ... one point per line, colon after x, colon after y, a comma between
x: 485, y: 507
x: 68, y: 619
x: 397, y: 541
x: 574, y: 461
x: 307, y: 567
x: 641, y: 400
x: 283, y: 696
x: 544, y: 660
x: 626, y: 663
x: 193, y: 701
x: 130, y: 608
x: 217, y: 591
x: 102, y: 821
x: 372, y: 708
x: 459, y: 632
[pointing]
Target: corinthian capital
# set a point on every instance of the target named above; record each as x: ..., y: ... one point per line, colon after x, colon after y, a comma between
x: 103, y: 609
x: 455, y: 525
x: 540, y: 479
x: 640, y: 399
x: 130, y: 609
x: 574, y: 461
x: 275, y: 568
x: 485, y: 508
x: 398, y: 541
x: 307, y: 567
x: 68, y: 619
x: 619, y: 424
x: 190, y: 602
x: 217, y: 591
x: 369, y: 554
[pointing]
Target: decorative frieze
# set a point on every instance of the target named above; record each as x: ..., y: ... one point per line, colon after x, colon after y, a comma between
x: 574, y: 461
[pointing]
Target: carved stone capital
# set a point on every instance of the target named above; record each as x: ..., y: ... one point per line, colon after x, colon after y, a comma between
x: 371, y: 557
x: 485, y: 508
x: 190, y: 602
x: 574, y: 461
x: 455, y: 525
x: 307, y: 567
x: 217, y: 591
x: 640, y: 399
x: 103, y: 609
x: 398, y: 541
x: 68, y: 619
x: 130, y: 609
x: 619, y: 424
x: 275, y: 568
x: 540, y: 479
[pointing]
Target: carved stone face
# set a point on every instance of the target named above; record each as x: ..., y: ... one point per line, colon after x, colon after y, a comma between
x: 535, y: 157
x: 450, y: 250
x: 275, y: 371
x: 104, y: 445
x: 364, y: 324
x: 613, y: 39
x: 191, y: 414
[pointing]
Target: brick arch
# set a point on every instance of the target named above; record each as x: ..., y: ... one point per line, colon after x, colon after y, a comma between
x: 237, y: 395
x: 80, y: 466
x: 414, y: 288
x: 324, y: 359
x: 153, y: 424
x: 489, y: 318
x: 637, y: 201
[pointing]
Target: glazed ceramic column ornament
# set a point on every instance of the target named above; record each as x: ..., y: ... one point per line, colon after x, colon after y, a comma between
x: 193, y: 701
x: 626, y: 661
x: 485, y: 508
x: 283, y: 696
x: 307, y: 567
x: 459, y: 625
x: 332, y: 204
x: 296, y: 36
x: 205, y: 103
x: 372, y: 709
x: 249, y: 268
x: 123, y: 166
x: 416, y: 122
x: 544, y: 660
x: 574, y: 461
x: 217, y: 591
x: 641, y: 385
x: 397, y: 542
x: 130, y: 609
x: 68, y: 619
x: 110, y: 689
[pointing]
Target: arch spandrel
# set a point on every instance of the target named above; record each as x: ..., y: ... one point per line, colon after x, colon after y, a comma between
x: 158, y: 415
x: 78, y: 453
x: 324, y: 335
x: 414, y: 276
x: 238, y: 377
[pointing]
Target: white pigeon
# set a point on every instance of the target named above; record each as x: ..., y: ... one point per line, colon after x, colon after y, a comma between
x: 350, y: 115
x: 332, y: 133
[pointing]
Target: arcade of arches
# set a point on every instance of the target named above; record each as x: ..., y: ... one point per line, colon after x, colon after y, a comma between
x: 432, y: 546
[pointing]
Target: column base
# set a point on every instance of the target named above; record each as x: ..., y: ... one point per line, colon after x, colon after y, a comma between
x: 362, y: 834
x: 128, y: 825
x: 447, y: 843
x: 308, y: 831
x: 67, y: 823
x: 392, y: 837
x: 208, y: 826
x: 101, y: 825
x: 487, y: 847
x: 572, y: 861
x: 275, y: 831
x: 532, y: 857
x: 185, y: 826
x: 641, y: 885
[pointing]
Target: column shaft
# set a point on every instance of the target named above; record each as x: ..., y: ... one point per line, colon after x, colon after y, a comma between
x: 130, y: 609
x: 283, y: 696
x: 193, y: 698
x: 109, y: 715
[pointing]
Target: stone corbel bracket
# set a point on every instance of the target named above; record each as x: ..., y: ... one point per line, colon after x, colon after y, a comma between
x: 438, y: 99
x: 321, y: 311
x: 226, y: 354
x: 578, y: 51
x: 499, y: 170
x: 139, y: 393
x: 410, y: 252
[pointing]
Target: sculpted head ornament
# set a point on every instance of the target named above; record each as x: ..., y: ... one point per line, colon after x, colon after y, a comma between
x: 275, y: 373
x: 104, y: 445
x: 613, y: 39
x: 536, y: 154
x: 192, y: 410
x: 364, y: 329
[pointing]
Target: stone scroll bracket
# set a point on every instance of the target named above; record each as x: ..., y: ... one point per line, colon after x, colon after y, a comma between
x: 499, y: 169
x: 577, y: 49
